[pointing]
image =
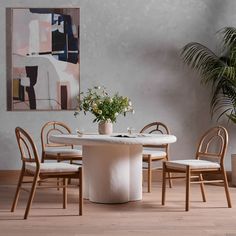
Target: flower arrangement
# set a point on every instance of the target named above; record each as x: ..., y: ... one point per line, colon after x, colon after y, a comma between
x: 103, y: 106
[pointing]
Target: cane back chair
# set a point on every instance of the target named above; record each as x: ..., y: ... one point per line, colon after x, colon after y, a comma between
x: 154, y: 153
x: 41, y: 172
x: 54, y: 151
x: 209, y: 160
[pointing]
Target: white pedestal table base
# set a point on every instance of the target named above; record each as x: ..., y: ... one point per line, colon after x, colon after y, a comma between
x: 112, y: 173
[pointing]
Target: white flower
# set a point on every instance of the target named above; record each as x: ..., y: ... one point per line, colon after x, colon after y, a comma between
x: 94, y: 105
x: 133, y: 111
x: 104, y: 107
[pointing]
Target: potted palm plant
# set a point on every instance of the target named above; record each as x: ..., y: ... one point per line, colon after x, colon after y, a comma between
x: 219, y: 70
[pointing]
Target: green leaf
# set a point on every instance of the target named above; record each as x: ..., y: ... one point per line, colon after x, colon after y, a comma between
x: 217, y: 70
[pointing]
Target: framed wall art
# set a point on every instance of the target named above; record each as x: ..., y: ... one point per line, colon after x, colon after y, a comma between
x: 42, y: 58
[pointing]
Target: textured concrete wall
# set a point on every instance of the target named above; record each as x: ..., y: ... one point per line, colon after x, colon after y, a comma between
x: 132, y: 46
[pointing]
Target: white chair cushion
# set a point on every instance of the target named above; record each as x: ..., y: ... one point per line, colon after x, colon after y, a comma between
x: 194, y: 164
x: 63, y: 151
x: 78, y: 162
x: 153, y: 153
x: 53, y: 167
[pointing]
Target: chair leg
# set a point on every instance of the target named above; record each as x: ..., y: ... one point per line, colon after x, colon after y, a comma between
x: 227, y: 189
x: 149, y: 174
x: 187, y: 188
x: 142, y: 175
x: 69, y: 180
x: 202, y: 188
x: 18, y: 190
x: 64, y: 193
x: 169, y: 175
x: 163, y: 198
x: 81, y: 192
x: 58, y: 180
x: 170, y: 180
x: 31, y: 196
x: 42, y: 159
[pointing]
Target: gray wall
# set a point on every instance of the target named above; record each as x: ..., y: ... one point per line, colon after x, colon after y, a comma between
x: 132, y: 46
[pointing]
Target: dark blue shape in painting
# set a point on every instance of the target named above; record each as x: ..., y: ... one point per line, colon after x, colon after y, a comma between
x: 64, y: 44
x: 32, y: 73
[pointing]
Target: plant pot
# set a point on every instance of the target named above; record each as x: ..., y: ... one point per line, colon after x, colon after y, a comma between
x: 105, y: 127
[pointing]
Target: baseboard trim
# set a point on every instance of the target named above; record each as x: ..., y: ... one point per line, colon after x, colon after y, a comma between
x: 9, y: 177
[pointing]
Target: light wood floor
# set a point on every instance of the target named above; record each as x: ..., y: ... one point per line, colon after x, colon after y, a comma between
x: 146, y: 217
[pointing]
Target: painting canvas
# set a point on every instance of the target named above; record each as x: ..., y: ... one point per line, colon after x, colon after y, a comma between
x: 44, y: 59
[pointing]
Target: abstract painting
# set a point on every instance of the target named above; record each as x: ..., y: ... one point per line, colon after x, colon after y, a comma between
x: 44, y: 58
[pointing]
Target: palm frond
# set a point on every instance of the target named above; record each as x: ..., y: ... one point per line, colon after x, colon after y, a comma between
x: 201, y: 59
x: 196, y: 55
x: 221, y: 104
x: 227, y: 72
x: 232, y: 117
x: 229, y: 36
x: 220, y: 71
x: 224, y: 113
x: 229, y: 43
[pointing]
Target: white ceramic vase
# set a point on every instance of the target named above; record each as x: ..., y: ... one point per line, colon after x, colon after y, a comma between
x: 105, y: 127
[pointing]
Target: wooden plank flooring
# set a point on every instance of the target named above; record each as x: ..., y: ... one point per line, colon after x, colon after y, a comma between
x: 146, y: 217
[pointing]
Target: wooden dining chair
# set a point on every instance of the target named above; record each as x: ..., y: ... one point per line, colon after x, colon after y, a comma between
x: 59, y: 152
x: 41, y: 172
x: 154, y: 153
x: 209, y: 160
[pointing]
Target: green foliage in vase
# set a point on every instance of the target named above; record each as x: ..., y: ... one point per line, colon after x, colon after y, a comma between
x: 103, y: 106
x: 217, y: 70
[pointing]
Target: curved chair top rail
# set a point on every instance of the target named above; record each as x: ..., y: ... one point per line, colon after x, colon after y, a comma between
x: 156, y: 127
x: 28, y: 149
x: 213, y: 144
x: 53, y: 127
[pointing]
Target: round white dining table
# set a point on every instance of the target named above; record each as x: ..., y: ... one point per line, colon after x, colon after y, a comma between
x: 112, y: 164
